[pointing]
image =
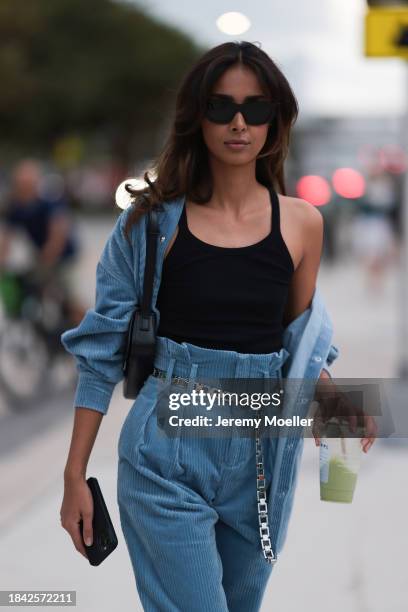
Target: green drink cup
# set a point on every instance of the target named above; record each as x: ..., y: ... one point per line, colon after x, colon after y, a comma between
x: 340, y: 460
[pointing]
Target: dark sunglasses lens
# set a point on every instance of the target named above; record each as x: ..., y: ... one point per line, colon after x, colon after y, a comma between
x: 219, y: 111
x: 257, y: 113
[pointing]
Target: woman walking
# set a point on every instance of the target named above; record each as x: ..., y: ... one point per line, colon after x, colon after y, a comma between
x: 236, y: 269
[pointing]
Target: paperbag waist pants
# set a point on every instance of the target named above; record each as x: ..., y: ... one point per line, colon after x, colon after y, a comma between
x: 187, y: 503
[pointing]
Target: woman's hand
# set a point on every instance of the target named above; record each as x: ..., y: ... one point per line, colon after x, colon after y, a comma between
x: 334, y: 403
x: 370, y: 428
x: 77, y: 504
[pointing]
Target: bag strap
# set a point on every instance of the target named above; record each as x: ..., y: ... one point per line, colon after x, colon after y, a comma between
x: 151, y: 249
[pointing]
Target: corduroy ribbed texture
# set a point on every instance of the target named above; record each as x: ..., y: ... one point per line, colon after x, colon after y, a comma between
x: 188, y: 503
x: 98, y: 342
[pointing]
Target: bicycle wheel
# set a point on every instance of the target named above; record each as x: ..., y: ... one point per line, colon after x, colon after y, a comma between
x: 24, y: 362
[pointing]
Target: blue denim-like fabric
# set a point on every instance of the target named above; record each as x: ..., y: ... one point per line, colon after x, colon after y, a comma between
x: 188, y: 504
x: 98, y: 344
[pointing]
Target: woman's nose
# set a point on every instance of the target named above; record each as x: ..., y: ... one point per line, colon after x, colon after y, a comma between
x: 239, y: 120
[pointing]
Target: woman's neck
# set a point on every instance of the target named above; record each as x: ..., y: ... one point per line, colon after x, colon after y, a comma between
x: 234, y: 187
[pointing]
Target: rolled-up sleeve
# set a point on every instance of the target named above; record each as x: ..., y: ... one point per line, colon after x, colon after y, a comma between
x: 98, y: 343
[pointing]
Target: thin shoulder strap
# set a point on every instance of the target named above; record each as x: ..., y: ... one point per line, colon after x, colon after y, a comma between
x: 183, y: 219
x: 151, y: 248
x: 275, y: 211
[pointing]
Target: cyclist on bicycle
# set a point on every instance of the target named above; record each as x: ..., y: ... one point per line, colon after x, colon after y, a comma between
x: 47, y: 224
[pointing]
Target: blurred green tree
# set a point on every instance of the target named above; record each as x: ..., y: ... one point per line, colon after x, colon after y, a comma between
x: 98, y: 68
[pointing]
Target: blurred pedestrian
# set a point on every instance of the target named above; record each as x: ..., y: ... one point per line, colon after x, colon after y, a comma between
x: 372, y: 235
x: 47, y: 224
x: 330, y: 213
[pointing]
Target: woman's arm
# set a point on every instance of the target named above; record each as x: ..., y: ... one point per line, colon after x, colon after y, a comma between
x: 97, y: 344
x: 85, y: 429
x: 304, y: 278
x: 77, y: 503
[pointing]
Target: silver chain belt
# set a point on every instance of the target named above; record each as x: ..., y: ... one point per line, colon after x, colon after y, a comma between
x: 260, y: 472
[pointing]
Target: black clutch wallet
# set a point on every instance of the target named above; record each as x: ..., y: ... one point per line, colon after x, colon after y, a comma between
x: 104, y: 537
x: 141, y: 335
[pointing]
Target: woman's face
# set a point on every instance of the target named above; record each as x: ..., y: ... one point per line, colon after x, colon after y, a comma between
x: 239, y: 82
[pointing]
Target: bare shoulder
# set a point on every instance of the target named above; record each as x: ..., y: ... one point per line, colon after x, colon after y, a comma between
x: 301, y: 226
x: 301, y: 211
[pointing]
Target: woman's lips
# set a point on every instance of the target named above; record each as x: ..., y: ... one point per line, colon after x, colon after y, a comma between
x: 236, y: 145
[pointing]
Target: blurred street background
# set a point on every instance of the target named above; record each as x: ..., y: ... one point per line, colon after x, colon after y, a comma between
x: 87, y: 93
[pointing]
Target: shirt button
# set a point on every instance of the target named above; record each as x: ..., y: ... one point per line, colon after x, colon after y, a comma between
x: 317, y: 358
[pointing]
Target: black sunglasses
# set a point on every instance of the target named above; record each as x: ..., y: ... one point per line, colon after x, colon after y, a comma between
x: 255, y: 112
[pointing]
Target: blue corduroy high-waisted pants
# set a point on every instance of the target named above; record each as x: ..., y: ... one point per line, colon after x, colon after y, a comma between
x: 188, y: 505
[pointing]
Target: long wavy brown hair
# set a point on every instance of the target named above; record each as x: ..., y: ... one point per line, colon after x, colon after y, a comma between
x: 182, y: 166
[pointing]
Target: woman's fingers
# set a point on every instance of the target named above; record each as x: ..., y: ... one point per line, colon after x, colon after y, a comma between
x: 77, y: 512
x: 371, y: 429
x: 75, y: 533
x: 317, y: 425
x: 87, y: 530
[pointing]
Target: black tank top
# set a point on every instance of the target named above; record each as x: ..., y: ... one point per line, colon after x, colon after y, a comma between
x: 230, y: 298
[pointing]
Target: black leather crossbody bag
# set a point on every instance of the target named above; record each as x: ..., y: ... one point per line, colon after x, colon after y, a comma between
x: 141, y: 335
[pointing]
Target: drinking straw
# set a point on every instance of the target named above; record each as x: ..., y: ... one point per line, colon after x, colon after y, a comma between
x: 343, y: 446
x: 341, y: 426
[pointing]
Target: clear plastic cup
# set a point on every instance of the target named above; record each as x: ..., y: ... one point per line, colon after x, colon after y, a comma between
x: 340, y: 460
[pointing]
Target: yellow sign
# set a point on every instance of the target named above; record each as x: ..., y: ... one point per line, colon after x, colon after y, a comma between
x: 386, y: 32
